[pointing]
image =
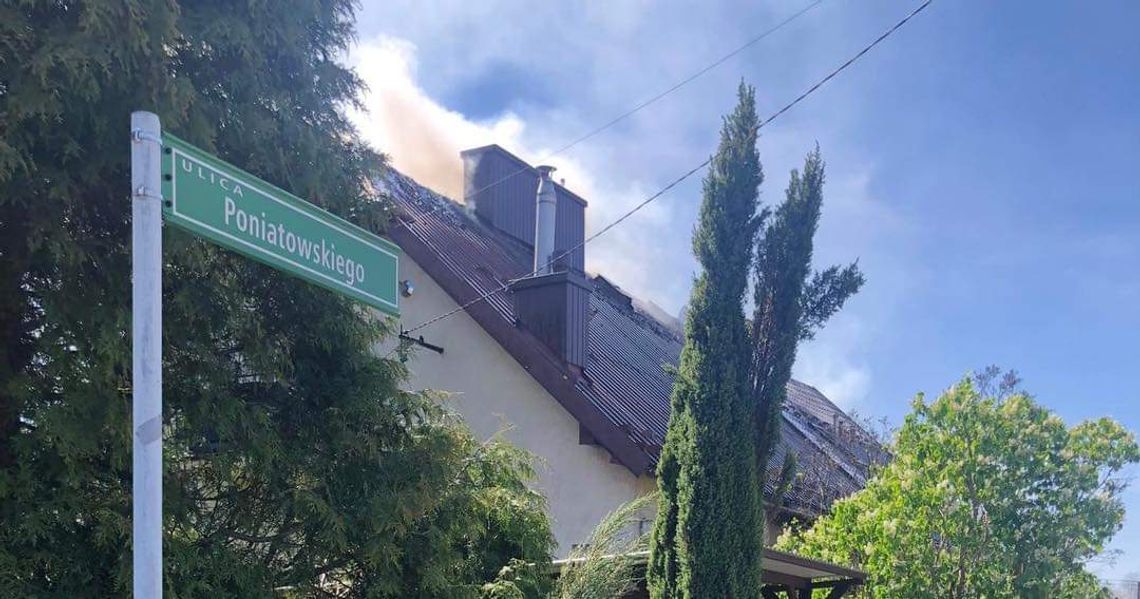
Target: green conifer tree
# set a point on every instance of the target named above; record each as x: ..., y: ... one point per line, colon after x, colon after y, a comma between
x: 790, y: 303
x: 707, y: 523
x: 293, y: 459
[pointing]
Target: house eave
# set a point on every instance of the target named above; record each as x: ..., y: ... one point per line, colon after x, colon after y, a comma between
x: 557, y: 378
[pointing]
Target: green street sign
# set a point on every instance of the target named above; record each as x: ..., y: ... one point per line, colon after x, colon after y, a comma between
x: 243, y: 213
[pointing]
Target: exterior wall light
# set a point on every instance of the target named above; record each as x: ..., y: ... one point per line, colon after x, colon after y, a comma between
x: 407, y: 288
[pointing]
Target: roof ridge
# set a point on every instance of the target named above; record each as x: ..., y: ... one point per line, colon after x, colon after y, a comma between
x: 656, y: 325
x: 631, y: 308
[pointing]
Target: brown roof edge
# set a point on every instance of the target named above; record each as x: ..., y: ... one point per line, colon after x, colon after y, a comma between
x: 831, y: 568
x: 530, y: 353
x: 770, y: 555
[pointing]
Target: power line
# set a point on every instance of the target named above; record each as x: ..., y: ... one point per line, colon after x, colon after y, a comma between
x: 678, y: 180
x: 687, y: 80
x: 632, y: 111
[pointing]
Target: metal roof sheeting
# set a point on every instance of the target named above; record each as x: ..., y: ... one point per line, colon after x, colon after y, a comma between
x: 626, y: 373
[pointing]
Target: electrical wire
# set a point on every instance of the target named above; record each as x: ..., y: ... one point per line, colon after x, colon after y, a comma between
x: 678, y: 180
x: 752, y: 42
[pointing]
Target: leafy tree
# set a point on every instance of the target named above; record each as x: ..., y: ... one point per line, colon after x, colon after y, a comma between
x: 294, y: 462
x: 708, y: 513
x: 987, y: 496
x: 790, y: 302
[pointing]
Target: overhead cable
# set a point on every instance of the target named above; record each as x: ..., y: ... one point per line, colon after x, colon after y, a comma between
x: 687, y: 80
x: 554, y: 259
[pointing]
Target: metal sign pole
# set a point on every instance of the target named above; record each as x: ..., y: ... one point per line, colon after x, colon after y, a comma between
x: 146, y: 325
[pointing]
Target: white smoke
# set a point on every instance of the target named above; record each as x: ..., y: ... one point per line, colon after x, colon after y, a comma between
x: 423, y: 140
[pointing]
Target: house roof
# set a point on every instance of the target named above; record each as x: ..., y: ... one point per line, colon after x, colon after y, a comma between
x: 621, y: 396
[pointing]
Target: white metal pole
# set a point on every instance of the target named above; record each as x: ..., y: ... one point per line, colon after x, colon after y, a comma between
x: 146, y: 325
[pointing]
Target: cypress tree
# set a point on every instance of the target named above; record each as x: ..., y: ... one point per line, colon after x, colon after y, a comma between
x: 790, y: 303
x: 705, y: 540
x: 293, y: 458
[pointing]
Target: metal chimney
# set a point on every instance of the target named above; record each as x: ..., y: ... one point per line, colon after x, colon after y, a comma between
x: 546, y: 208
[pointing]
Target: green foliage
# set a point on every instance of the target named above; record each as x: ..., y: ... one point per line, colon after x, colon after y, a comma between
x: 708, y: 513
x: 790, y: 303
x: 606, y: 566
x: 732, y: 379
x: 293, y: 459
x: 1082, y: 584
x: 485, y: 524
x: 987, y: 496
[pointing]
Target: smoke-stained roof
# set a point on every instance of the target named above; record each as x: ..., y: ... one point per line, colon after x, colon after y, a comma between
x: 622, y: 394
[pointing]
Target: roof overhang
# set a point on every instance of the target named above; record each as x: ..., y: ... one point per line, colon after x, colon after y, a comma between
x: 789, y: 572
x: 531, y: 353
x: 783, y: 572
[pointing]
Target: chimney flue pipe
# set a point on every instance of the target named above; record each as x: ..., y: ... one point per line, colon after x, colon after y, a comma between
x: 546, y: 209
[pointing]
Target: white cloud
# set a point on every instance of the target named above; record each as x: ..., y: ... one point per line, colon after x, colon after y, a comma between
x: 830, y: 363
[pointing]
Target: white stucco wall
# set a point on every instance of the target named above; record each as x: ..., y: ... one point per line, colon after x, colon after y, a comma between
x: 491, y: 391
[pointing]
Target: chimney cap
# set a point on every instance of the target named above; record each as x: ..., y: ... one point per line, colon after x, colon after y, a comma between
x: 545, y: 170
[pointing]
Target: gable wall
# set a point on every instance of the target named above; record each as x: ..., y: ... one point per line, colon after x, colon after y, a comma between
x: 491, y: 391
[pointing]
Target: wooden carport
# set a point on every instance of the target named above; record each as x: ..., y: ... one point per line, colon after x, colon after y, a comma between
x: 786, y: 576
x: 791, y: 576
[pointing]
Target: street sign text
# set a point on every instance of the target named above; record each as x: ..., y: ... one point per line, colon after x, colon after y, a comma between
x: 243, y: 213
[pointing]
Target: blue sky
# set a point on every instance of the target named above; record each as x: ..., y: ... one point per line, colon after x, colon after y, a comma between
x: 983, y: 164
